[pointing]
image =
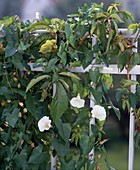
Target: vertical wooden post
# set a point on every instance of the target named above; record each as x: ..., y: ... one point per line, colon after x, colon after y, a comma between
x: 132, y: 123
x: 131, y: 132
x: 53, y: 159
x: 92, y: 122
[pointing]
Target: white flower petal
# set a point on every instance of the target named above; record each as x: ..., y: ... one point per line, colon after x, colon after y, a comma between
x: 44, y: 123
x: 77, y: 102
x: 99, y: 112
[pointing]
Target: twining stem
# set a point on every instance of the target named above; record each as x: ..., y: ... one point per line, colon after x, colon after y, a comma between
x: 128, y: 71
x: 6, y: 73
x: 83, y: 39
x: 98, y: 167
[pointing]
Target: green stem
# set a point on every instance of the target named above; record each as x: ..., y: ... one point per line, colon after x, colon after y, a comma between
x: 6, y: 73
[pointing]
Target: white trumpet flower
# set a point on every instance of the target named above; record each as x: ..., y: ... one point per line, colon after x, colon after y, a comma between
x: 99, y: 112
x: 44, y: 123
x: 77, y: 102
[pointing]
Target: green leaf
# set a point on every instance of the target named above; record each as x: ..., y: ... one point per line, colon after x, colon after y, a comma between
x: 115, y: 26
x: 64, y: 130
x: 91, y: 165
x: 88, y: 57
x: 39, y: 25
x: 65, y: 84
x: 138, y: 90
x: 132, y: 100
x: 63, y: 57
x: 101, y: 34
x: 135, y: 60
x: 4, y: 91
x: 51, y: 65
x: 119, y: 93
x: 61, y: 147
x: 7, y: 20
x: 12, y: 43
x: 75, y: 64
x: 10, y: 50
x: 95, y: 75
x: 37, y: 156
x: 95, y: 48
x: 110, y: 38
x: 107, y: 81
x: 122, y: 60
x: 81, y: 163
x: 35, y: 81
x: 116, y: 17
x: 69, y: 74
x: 73, y: 39
x: 86, y: 143
x: 62, y: 53
x: 17, y: 61
x: 137, y: 140
x: 126, y: 16
x: 98, y: 94
x: 133, y: 27
x: 82, y: 117
x: 13, y: 117
x: 67, y: 31
x: 23, y: 46
x: 116, y: 110
x: 20, y: 160
x: 94, y: 130
x: 92, y: 29
x: 127, y: 83
x: 67, y: 165
x: 39, y: 62
x: 59, y: 103
x: 35, y: 107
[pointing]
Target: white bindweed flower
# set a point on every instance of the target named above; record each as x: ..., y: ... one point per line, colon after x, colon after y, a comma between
x: 44, y: 123
x: 77, y: 102
x: 99, y: 112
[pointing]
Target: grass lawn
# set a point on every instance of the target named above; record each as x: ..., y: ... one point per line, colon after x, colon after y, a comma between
x: 118, y: 157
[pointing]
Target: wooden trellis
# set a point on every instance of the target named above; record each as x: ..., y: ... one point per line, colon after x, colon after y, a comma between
x: 112, y: 69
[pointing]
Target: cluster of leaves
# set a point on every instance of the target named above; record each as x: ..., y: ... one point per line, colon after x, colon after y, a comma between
x: 27, y: 95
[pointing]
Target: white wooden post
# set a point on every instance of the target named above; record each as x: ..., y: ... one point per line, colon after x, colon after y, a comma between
x: 92, y: 122
x: 131, y: 132
x: 53, y: 159
x: 132, y: 123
